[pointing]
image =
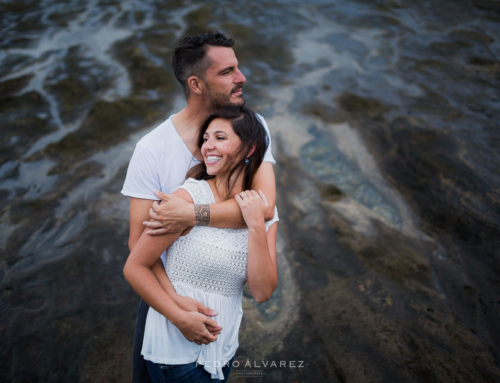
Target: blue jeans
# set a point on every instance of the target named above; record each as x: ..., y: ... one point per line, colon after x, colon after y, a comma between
x: 185, y: 373
x: 139, y: 366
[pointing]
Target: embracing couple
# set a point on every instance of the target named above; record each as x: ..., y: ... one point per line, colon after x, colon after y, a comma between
x: 215, y: 227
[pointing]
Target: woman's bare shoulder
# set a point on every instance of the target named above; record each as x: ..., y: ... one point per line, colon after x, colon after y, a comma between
x: 183, y: 193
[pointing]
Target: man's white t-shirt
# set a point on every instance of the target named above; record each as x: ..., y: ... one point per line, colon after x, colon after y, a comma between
x: 161, y: 160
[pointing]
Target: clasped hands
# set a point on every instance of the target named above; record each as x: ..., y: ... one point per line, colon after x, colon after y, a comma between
x: 196, y: 325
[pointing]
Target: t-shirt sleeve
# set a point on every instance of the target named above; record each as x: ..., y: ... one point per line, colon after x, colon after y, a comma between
x: 142, y: 175
x: 268, y: 157
x: 276, y: 218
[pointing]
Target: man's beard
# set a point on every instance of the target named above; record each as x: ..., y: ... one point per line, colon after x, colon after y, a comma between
x: 218, y: 99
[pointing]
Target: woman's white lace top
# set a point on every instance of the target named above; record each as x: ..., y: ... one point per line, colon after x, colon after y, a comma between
x: 209, y: 265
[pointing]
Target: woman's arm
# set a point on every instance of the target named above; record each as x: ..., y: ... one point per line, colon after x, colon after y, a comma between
x: 138, y: 272
x: 262, y: 273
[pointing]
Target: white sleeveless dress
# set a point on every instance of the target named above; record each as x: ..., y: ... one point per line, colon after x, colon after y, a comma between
x: 209, y: 265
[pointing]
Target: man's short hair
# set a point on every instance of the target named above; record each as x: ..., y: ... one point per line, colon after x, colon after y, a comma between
x: 190, y: 59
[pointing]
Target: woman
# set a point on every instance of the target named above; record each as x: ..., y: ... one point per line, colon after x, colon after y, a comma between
x: 208, y: 264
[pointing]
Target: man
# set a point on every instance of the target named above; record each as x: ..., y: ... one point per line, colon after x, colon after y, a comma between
x: 207, y: 69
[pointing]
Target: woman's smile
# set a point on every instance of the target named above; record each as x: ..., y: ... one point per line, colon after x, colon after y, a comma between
x: 212, y: 159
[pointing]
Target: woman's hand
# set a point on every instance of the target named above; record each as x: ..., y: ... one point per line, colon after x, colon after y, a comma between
x: 262, y: 275
x: 253, y: 207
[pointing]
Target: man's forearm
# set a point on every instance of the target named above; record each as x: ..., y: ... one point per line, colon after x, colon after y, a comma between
x: 227, y: 215
x: 175, y: 215
x: 148, y: 288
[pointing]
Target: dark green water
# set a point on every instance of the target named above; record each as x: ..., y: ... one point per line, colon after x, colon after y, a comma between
x: 384, y: 116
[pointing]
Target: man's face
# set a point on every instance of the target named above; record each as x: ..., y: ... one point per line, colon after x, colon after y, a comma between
x: 223, y: 79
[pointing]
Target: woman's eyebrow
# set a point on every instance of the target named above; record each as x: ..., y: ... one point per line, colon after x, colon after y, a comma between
x: 221, y: 131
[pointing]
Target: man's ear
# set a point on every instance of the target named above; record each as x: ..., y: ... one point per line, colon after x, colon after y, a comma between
x: 195, y: 84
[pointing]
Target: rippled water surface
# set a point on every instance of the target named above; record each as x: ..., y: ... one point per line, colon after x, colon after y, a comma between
x: 384, y: 117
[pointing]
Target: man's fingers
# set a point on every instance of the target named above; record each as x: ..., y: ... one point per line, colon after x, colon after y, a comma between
x: 152, y: 224
x: 156, y: 207
x: 153, y: 215
x: 157, y: 232
x: 161, y: 195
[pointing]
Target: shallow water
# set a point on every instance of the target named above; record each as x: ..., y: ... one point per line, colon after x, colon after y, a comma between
x: 385, y: 128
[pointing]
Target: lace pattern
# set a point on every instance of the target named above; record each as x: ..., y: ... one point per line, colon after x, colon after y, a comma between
x: 210, y: 259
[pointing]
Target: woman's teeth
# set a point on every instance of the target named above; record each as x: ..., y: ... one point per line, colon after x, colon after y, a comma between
x: 213, y: 158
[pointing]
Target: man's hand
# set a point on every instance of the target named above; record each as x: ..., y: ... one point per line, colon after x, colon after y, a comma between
x: 171, y: 215
x: 192, y: 305
x: 194, y: 326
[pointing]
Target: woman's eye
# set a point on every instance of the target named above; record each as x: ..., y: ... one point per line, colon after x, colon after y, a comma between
x: 205, y: 139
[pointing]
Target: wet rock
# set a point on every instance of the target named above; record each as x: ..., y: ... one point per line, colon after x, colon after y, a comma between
x: 10, y: 87
x: 106, y: 124
x: 64, y: 312
x: 63, y: 18
x: 472, y: 36
x: 329, y: 192
x: 146, y: 75
x: 25, y: 119
x: 384, y: 294
x: 490, y: 67
x: 373, y: 298
x: 324, y: 112
x: 199, y: 19
x: 374, y: 21
x: 439, y: 180
x: 74, y: 95
x: 356, y: 105
x: 448, y: 48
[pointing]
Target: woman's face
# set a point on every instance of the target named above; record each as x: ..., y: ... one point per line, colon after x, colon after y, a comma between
x: 220, y: 144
